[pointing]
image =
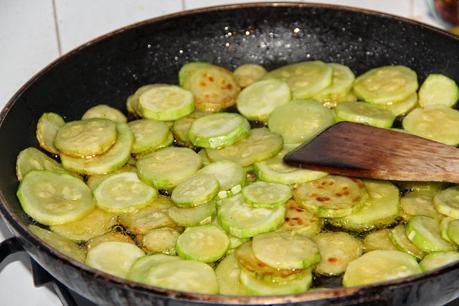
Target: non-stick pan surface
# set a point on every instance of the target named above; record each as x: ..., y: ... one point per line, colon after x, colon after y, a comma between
x: 109, y: 69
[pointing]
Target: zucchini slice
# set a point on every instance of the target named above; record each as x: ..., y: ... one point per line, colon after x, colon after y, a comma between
x: 105, y: 112
x: 398, y: 237
x: 228, y: 273
x: 438, y: 89
x: 52, y: 198
x: 149, y: 134
x: 444, y: 223
x: 114, y: 257
x: 453, y: 231
x: 378, y: 266
x: 229, y: 175
x: 192, y: 216
x: 436, y: 260
x: 139, y: 270
x: 112, y: 160
x: 424, y: 233
x: 189, y: 68
x: 402, y: 107
x: 196, y: 190
x: 165, y: 102
x: 418, y: 203
x: 217, y: 131
x: 247, y: 74
x: 168, y: 167
x: 132, y: 102
x: 94, y: 180
x: 386, y: 84
x: 337, y: 249
x: 378, y: 240
x: 269, y: 195
x: 47, y: 127
x: 184, y: 275
x: 257, y: 101
x: 301, y: 221
x: 341, y: 84
x: 182, y: 126
x: 300, y: 120
x: 112, y: 236
x: 161, y: 240
x: 366, y: 113
x: 31, y: 159
x: 447, y: 202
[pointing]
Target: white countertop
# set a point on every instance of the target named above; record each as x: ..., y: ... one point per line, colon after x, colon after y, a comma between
x: 35, y: 32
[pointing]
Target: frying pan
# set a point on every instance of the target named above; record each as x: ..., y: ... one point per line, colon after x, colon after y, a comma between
x: 110, y: 68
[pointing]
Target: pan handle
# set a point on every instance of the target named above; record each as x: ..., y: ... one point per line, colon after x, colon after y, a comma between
x: 9, y: 247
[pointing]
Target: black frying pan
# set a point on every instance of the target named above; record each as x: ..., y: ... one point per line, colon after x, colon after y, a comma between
x: 110, y: 68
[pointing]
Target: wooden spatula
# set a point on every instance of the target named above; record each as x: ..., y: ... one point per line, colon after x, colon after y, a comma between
x: 353, y: 149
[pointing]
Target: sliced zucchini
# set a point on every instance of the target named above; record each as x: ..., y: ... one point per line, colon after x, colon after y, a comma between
x: 229, y: 174
x: 378, y: 266
x: 161, y: 240
x: 149, y: 134
x: 259, y: 145
x: 112, y: 236
x: 139, y: 270
x: 332, y: 196
x: 247, y: 74
x: 94, y: 180
x: 47, y: 127
x: 96, y: 223
x: 300, y: 120
x: 257, y: 101
x: 438, y: 123
x: 418, y: 203
x: 402, y: 107
x: 53, y: 198
x: 438, y: 89
x: 341, y: 83
x: 444, y: 223
x: 269, y: 195
x: 366, y: 113
x: 337, y: 249
x: 305, y: 79
x: 228, y: 273
x: 217, y: 131
x: 332, y: 101
x: 31, y: 159
x: 386, y: 84
x: 436, y: 260
x: 301, y: 221
x: 447, y: 202
x: 453, y: 231
x: 112, y: 160
x: 398, y: 237
x: 86, y: 138
x: 424, y: 233
x: 63, y: 245
x: 206, y: 243
x: 193, y: 216
x: 105, y: 112
x: 243, y: 221
x: 196, y: 190
x: 182, y: 126
x: 168, y: 167
x: 204, y: 158
x: 189, y: 68
x: 114, y: 257
x: 165, y: 102
x: 132, y: 102
x: 381, y: 209
x: 282, y: 250
x: 378, y: 240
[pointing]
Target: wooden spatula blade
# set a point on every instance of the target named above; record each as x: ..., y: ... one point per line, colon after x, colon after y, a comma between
x: 353, y: 149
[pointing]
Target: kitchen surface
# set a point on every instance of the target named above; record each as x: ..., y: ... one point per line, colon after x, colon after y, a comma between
x: 34, y: 33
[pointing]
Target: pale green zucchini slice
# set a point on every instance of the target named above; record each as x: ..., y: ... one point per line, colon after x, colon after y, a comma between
x: 444, y: 223
x: 96, y: 223
x: 244, y: 221
x: 366, y: 113
x: 165, y: 102
x: 184, y: 275
x: 53, y: 198
x: 61, y: 244
x: 247, y: 74
x: 269, y: 195
x: 204, y: 158
x: 301, y: 221
x: 436, y: 260
x: 382, y: 208
x: 181, y: 127
x: 206, y: 243
x: 386, y: 84
x: 149, y: 134
x: 112, y: 160
x: 168, y: 167
x: 217, y: 131
x: 114, y: 257
x: 196, y: 190
x: 300, y: 120
x: 161, y: 240
x: 155, y: 215
x: 398, y: 237
x: 213, y: 87
x: 453, y: 231
x: 47, y: 127
x: 438, y: 123
x: 337, y: 249
x: 139, y: 270
x: 341, y: 83
x: 31, y: 159
x: 228, y: 273
x: 331, y: 196
x: 86, y: 138
x: 112, y: 236
x: 192, y: 216
x: 378, y: 240
x: 259, y: 145
x: 282, y: 250
x: 447, y: 202
x: 94, y: 180
x: 418, y: 203
x: 257, y: 101
x: 438, y: 89
x: 305, y: 79
x: 332, y: 101
x: 229, y: 175
x: 378, y: 266
x: 402, y: 107
x: 132, y: 102
x: 187, y: 69
x: 424, y: 233
x: 274, y: 170
x: 105, y: 112
x: 288, y: 285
